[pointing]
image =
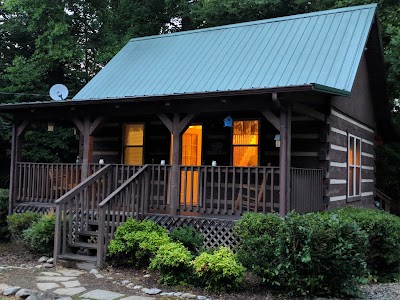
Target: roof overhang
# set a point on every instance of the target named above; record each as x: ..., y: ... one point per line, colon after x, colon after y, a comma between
x: 14, y: 108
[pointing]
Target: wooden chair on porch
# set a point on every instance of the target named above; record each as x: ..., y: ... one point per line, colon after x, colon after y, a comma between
x: 254, y: 203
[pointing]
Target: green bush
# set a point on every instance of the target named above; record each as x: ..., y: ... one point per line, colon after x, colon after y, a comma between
x: 219, y: 271
x: 383, y: 230
x: 4, y: 232
x: 40, y: 236
x: 17, y: 223
x: 136, y: 242
x: 173, y: 263
x: 260, y: 244
x: 313, y: 254
x: 189, y: 237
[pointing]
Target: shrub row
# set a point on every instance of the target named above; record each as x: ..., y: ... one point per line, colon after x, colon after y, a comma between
x: 327, y: 253
x: 144, y: 243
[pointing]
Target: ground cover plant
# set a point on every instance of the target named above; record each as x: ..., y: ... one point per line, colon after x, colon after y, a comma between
x: 135, y: 242
x: 219, y: 271
x: 173, y: 263
x: 312, y: 254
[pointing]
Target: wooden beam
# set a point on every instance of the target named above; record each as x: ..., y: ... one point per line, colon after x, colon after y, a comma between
x: 274, y: 120
x: 185, y: 121
x: 308, y: 111
x: 95, y: 124
x: 167, y: 122
x: 22, y: 127
x: 79, y: 125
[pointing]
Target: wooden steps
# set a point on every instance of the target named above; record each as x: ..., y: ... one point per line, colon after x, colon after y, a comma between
x: 82, y: 245
x: 77, y: 257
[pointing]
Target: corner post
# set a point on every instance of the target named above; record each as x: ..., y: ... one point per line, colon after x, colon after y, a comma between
x: 18, y: 131
x: 288, y: 157
x: 283, y: 162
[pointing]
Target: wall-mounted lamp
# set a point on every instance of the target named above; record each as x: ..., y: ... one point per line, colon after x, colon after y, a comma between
x: 277, y: 140
x: 228, y: 121
x: 50, y: 126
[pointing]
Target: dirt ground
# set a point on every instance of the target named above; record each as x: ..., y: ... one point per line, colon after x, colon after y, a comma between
x: 23, y: 274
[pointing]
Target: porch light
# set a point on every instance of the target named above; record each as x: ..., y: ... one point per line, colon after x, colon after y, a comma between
x: 228, y: 121
x: 214, y: 163
x: 163, y: 162
x: 101, y: 161
x: 277, y: 140
x: 50, y: 126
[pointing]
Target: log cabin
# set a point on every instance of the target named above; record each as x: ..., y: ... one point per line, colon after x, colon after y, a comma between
x: 199, y: 127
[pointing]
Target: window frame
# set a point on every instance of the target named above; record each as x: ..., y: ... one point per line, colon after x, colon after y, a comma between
x: 241, y: 145
x: 354, y: 166
x: 125, y: 146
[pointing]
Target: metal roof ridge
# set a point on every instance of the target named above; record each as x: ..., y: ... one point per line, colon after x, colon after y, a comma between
x: 258, y: 22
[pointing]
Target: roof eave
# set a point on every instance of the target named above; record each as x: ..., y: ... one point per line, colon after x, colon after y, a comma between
x: 329, y: 90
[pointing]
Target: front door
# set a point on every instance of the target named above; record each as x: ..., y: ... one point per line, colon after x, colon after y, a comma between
x: 191, y: 156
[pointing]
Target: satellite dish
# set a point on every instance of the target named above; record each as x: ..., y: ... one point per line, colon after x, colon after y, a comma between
x: 58, y: 92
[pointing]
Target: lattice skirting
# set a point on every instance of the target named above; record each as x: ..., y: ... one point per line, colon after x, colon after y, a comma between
x: 34, y: 207
x: 216, y: 232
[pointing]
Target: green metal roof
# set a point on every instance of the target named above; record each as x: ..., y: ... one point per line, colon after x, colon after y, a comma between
x: 322, y: 49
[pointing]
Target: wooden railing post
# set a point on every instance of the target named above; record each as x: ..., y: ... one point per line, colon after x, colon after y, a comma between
x: 100, y: 239
x: 18, y: 131
x: 57, y: 234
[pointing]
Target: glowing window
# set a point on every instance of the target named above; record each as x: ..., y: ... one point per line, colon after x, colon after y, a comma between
x: 245, y: 143
x: 133, y: 144
x: 354, y: 166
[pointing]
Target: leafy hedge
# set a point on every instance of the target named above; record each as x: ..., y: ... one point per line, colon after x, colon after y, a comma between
x: 136, y: 242
x: 4, y: 232
x: 383, y: 230
x: 313, y: 254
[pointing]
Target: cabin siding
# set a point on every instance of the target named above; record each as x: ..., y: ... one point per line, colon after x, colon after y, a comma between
x: 340, y: 126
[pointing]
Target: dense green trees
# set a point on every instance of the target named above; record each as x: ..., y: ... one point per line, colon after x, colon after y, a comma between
x: 46, y: 42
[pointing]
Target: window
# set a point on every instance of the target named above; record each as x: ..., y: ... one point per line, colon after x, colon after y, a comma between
x: 354, y: 166
x: 245, y: 143
x: 133, y: 144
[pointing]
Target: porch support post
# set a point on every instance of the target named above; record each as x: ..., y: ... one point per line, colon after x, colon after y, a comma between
x: 289, y: 156
x: 176, y: 127
x: 285, y: 159
x: 87, y: 128
x: 18, y: 131
x: 283, y: 163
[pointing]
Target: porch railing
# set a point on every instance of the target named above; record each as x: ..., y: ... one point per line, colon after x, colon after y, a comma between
x: 229, y: 190
x: 43, y: 182
x: 307, y: 190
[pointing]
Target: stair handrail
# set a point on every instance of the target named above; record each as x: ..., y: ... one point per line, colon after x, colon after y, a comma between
x: 122, y: 186
x: 85, y: 183
x: 102, y: 239
x: 67, y: 197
